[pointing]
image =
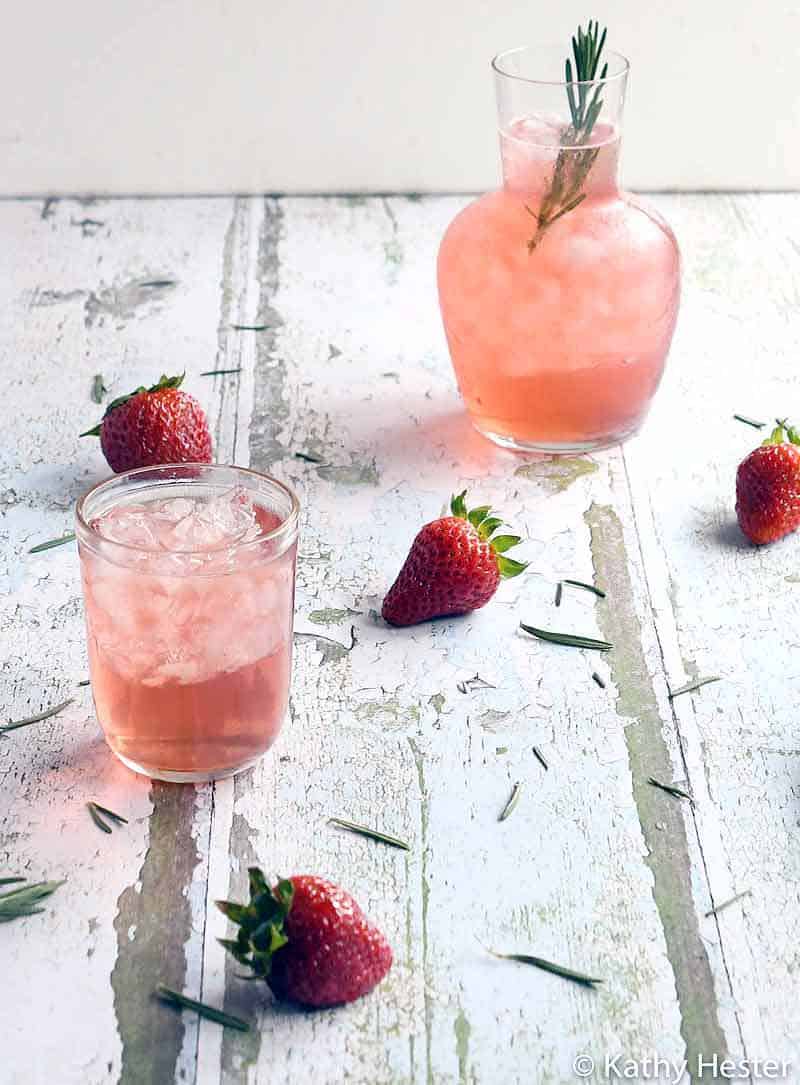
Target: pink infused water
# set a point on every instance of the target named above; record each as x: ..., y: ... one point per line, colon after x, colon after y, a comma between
x: 189, y: 611
x: 560, y: 348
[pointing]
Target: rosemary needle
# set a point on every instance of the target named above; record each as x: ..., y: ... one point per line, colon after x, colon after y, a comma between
x: 731, y: 900
x: 310, y: 457
x: 11, y: 881
x: 37, y: 718
x: 596, y: 678
x: 209, y: 1012
x: 216, y: 372
x: 97, y: 819
x: 537, y: 753
x: 671, y: 789
x: 749, y: 421
x: 567, y: 638
x: 586, y: 587
x: 513, y: 799
x: 691, y: 686
x: 69, y: 537
x: 548, y: 966
x: 373, y: 834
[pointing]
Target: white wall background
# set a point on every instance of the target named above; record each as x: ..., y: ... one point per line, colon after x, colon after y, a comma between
x: 202, y: 96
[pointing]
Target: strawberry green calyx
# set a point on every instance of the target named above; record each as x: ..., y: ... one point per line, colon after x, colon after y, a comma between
x: 261, y: 923
x: 486, y: 524
x: 783, y: 434
x: 164, y: 383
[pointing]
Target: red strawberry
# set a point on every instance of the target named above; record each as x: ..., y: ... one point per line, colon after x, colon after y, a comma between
x: 768, y: 487
x: 154, y: 425
x: 308, y: 939
x: 453, y: 567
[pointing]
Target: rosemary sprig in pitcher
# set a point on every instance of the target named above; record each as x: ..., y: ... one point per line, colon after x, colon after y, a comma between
x: 573, y: 165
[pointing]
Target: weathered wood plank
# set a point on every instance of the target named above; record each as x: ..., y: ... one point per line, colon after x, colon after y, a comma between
x: 724, y: 607
x: 76, y: 303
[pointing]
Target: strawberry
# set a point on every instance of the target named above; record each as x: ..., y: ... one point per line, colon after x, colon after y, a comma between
x: 308, y: 939
x: 154, y: 425
x: 453, y: 567
x: 768, y: 487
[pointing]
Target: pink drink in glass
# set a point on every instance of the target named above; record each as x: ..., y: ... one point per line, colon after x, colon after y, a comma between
x: 188, y: 580
x: 559, y: 347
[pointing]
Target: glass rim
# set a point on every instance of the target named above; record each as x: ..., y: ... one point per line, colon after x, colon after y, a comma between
x: 286, y: 528
x: 499, y: 58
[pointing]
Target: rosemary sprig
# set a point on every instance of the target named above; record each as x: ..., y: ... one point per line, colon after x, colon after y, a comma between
x: 174, y: 998
x: 691, y: 686
x: 537, y: 753
x: 48, y: 712
x: 749, y: 421
x: 95, y: 812
x: 373, y: 834
x: 670, y: 789
x: 574, y: 160
x: 98, y: 388
x: 69, y: 537
x: 548, y: 966
x: 513, y: 799
x: 726, y: 903
x: 219, y: 372
x: 23, y: 901
x: 586, y: 587
x: 567, y: 639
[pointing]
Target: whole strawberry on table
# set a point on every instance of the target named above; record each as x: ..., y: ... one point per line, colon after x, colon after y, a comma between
x: 160, y: 424
x: 768, y: 487
x: 308, y: 939
x: 454, y: 566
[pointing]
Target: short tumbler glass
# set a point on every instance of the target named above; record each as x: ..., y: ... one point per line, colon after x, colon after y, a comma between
x: 188, y: 579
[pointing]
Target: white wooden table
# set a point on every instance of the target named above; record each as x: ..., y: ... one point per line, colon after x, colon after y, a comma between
x: 595, y: 869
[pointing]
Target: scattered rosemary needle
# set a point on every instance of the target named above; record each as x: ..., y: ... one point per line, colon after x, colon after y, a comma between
x: 156, y: 284
x: 95, y: 812
x: 23, y: 901
x: 69, y: 537
x: 48, y: 712
x: 98, y: 388
x: 690, y: 686
x: 85, y: 682
x: 559, y: 589
x: 310, y: 457
x: 537, y: 753
x: 726, y: 903
x: 548, y: 966
x: 249, y: 327
x: 218, y: 372
x: 209, y: 1012
x: 671, y: 789
x: 749, y: 421
x: 596, y: 678
x: 373, y: 834
x: 568, y: 639
x: 513, y: 799
x: 586, y: 587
